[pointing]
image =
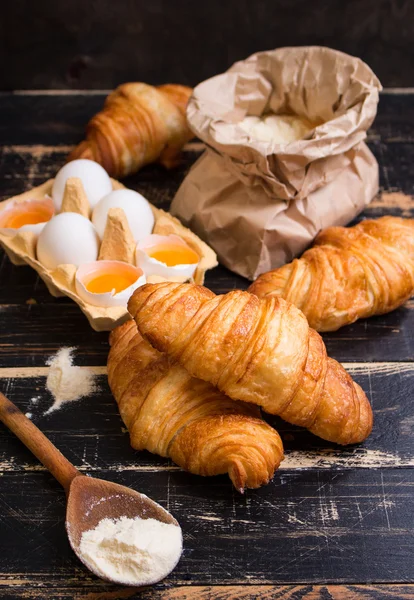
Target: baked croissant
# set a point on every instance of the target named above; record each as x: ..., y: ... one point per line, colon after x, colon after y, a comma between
x: 138, y: 124
x: 349, y: 273
x: 260, y: 351
x: 170, y: 413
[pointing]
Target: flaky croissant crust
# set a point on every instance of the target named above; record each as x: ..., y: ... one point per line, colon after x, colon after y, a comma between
x: 349, y: 273
x: 139, y: 124
x: 260, y: 351
x: 172, y: 414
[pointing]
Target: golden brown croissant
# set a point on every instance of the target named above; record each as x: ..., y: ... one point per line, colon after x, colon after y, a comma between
x: 138, y: 124
x: 260, y: 351
x: 349, y: 273
x: 170, y: 413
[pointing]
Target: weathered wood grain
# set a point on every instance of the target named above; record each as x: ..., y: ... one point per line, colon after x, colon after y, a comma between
x: 31, y: 333
x: 28, y: 588
x: 100, y: 441
x: 292, y: 592
x: 305, y: 527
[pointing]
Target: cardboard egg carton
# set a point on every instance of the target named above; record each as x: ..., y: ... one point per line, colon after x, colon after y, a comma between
x: 21, y: 250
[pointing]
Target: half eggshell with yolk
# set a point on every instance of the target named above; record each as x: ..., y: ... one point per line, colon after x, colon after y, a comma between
x: 29, y: 215
x: 166, y: 256
x: 108, y: 283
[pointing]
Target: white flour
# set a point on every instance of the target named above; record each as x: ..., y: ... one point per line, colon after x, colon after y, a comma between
x: 65, y: 381
x: 280, y: 129
x: 132, y: 551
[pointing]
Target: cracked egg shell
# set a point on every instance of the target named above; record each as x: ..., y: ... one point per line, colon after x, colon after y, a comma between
x: 167, y: 256
x: 30, y: 215
x: 108, y: 283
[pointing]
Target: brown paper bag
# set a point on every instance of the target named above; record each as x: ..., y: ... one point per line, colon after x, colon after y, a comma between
x: 259, y: 204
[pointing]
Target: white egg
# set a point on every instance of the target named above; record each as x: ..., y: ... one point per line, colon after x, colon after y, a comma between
x: 166, y: 256
x: 136, y: 208
x: 67, y: 238
x: 96, y: 181
x: 113, y: 282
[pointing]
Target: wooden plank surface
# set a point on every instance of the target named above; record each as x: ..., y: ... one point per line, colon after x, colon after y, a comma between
x: 390, y: 444
x: 341, y: 517
x: 69, y: 589
x: 304, y: 527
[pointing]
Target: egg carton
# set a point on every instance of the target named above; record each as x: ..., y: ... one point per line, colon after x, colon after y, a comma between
x: 21, y: 250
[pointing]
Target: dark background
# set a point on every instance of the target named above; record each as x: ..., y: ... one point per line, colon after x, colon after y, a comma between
x: 98, y: 44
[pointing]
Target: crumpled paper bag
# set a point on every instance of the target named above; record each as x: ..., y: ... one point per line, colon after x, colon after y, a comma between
x: 259, y: 204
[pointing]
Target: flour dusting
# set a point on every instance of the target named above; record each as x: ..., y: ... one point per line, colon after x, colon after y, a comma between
x: 67, y: 382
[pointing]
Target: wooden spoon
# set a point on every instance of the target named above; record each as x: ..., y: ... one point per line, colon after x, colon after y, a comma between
x: 89, y: 500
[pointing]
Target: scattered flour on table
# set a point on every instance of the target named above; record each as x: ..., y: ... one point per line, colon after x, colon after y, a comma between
x: 65, y: 381
x: 132, y: 551
x: 28, y: 415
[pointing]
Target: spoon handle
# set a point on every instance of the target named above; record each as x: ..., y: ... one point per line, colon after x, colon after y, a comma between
x: 37, y: 443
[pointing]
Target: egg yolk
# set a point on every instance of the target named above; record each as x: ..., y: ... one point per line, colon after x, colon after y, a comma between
x: 27, y: 218
x: 174, y: 255
x: 110, y: 281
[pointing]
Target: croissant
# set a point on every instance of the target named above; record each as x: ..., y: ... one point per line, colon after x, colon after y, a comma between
x: 138, y: 124
x: 349, y: 273
x: 259, y: 351
x: 170, y: 413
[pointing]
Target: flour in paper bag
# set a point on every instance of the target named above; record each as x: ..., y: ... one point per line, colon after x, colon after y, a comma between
x: 280, y: 129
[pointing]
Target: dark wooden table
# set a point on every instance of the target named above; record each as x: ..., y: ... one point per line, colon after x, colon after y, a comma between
x: 334, y: 523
